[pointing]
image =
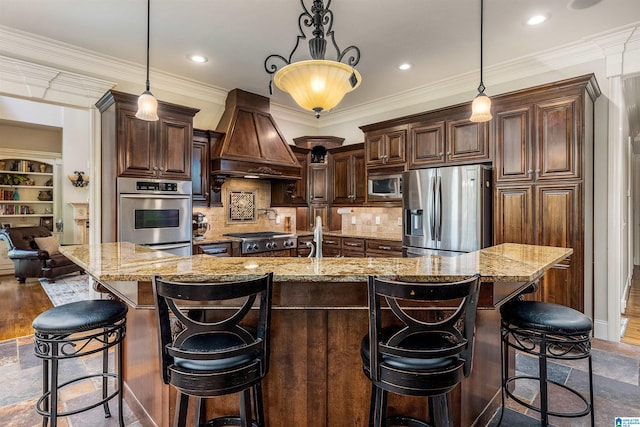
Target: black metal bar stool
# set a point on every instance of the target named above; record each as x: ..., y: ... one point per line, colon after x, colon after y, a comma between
x: 209, y: 348
x: 73, y: 330
x: 428, y: 354
x: 547, y: 331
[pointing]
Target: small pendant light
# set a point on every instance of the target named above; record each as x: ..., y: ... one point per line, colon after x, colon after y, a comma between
x: 147, y: 103
x: 481, y: 106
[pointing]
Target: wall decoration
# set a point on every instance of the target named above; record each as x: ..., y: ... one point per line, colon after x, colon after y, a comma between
x: 242, y: 206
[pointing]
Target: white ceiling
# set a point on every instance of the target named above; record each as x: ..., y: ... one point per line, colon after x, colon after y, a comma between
x: 440, y: 38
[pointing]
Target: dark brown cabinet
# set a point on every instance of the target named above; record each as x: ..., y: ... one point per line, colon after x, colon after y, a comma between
x: 386, y: 146
x: 202, y: 194
x: 318, y: 183
x: 383, y: 248
x: 281, y: 193
x: 347, y: 166
x: 449, y: 137
x: 543, y: 145
x: 160, y: 149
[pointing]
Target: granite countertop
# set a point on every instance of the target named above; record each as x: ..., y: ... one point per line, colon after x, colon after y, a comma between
x: 125, y: 261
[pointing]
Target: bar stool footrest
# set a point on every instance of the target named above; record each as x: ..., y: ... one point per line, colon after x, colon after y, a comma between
x: 44, y: 397
x: 227, y: 421
x: 399, y: 420
x: 582, y: 413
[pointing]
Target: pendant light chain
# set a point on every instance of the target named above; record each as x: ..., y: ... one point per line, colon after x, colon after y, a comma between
x: 149, y: 30
x: 481, y: 88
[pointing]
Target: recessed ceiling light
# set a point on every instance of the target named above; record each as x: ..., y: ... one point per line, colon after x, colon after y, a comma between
x: 581, y: 4
x: 404, y: 66
x: 537, y: 19
x: 197, y: 58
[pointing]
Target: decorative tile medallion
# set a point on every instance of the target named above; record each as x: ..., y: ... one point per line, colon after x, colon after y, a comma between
x: 242, y: 206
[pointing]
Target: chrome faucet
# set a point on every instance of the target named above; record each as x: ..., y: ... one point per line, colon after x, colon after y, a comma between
x: 317, y: 237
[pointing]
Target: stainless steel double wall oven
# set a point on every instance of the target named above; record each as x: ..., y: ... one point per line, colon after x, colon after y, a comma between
x: 155, y: 213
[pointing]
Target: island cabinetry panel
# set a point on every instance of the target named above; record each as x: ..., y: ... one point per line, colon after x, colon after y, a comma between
x: 386, y: 146
x: 203, y: 195
x: 347, y: 168
x: 543, y: 164
x: 160, y: 149
x: 331, y: 246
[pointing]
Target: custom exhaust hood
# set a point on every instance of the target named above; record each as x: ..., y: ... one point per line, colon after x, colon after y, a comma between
x: 253, y: 146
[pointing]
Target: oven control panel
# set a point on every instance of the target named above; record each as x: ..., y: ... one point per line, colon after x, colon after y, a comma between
x: 156, y: 186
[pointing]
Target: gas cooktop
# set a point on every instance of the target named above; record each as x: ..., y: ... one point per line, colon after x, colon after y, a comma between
x: 258, y: 234
x: 265, y: 241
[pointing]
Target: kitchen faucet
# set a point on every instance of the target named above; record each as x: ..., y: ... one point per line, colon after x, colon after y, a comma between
x: 317, y: 237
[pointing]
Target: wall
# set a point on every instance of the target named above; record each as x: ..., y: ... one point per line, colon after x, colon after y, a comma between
x: 363, y: 220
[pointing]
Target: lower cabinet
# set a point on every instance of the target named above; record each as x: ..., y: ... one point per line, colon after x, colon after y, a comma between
x: 351, y: 247
x: 213, y: 249
x: 383, y: 248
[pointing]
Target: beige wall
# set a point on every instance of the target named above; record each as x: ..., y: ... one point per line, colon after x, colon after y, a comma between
x: 35, y: 138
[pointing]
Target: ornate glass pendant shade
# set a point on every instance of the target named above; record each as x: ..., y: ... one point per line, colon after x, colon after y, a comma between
x: 481, y: 106
x: 147, y: 103
x: 316, y: 84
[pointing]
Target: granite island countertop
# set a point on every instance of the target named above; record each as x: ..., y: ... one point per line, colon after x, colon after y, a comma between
x: 125, y: 261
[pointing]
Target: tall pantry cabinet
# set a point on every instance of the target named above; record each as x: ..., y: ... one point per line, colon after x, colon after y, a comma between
x: 544, y: 179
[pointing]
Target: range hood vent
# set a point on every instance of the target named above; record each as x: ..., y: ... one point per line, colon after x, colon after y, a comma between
x: 253, y: 146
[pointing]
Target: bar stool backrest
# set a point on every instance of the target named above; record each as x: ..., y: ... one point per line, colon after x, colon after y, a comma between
x: 197, y: 308
x: 448, y: 331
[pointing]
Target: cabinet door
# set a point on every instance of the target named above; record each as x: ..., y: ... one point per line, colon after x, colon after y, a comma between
x: 558, y: 151
x: 374, y: 143
x: 513, y: 215
x: 323, y: 212
x: 136, y: 145
x: 358, y: 175
x: 426, y: 144
x: 513, y: 145
x: 300, y: 192
x: 396, y: 146
x: 200, y: 173
x: 467, y: 141
x: 174, y: 150
x: 558, y: 220
x: 341, y: 167
x: 318, y: 183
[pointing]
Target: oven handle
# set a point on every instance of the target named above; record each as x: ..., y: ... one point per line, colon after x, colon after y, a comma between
x: 155, y: 196
x: 165, y: 246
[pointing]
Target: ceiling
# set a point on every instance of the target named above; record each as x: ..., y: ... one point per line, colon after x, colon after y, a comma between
x: 440, y: 38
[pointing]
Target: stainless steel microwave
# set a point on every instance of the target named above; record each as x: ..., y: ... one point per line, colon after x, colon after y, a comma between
x: 385, y: 186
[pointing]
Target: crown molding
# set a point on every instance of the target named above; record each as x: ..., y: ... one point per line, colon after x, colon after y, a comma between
x: 35, y: 66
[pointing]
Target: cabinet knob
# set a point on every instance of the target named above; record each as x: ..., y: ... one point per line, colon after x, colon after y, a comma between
x: 155, y: 168
x: 448, y: 153
x: 441, y: 153
x: 161, y: 169
x: 206, y: 194
x: 530, y: 171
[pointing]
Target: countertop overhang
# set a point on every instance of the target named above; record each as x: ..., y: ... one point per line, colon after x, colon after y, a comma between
x: 123, y: 261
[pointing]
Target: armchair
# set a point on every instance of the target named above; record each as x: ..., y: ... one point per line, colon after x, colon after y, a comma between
x: 31, y: 261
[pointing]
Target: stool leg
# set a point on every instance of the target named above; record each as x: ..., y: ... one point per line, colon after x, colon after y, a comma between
x: 200, y: 412
x: 54, y: 385
x: 542, y: 366
x: 504, y: 364
x: 440, y: 411
x: 45, y: 389
x: 182, y: 403
x: 120, y: 380
x: 105, y: 382
x: 380, y: 408
x: 593, y: 423
x: 258, y: 405
x: 245, y: 408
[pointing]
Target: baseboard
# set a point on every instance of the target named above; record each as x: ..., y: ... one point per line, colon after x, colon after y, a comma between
x: 625, y: 296
x: 136, y: 407
x: 489, y: 411
x: 601, y: 330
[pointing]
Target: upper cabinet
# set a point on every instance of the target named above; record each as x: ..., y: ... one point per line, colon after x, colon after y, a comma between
x: 347, y: 166
x: 386, y: 146
x: 448, y: 137
x: 202, y: 193
x: 292, y: 193
x: 160, y: 149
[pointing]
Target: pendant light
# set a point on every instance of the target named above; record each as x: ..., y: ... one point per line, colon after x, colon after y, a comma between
x: 481, y: 106
x: 147, y: 103
x: 317, y: 84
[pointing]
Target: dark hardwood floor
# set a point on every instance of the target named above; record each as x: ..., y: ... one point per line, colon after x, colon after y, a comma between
x: 21, y: 303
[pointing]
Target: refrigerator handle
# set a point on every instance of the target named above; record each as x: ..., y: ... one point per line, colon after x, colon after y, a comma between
x: 432, y: 210
x: 438, y: 208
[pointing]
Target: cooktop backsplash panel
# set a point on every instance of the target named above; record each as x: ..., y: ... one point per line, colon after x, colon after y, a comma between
x: 242, y: 206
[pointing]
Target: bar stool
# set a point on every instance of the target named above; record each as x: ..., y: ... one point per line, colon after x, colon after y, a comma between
x: 73, y: 330
x: 547, y: 331
x: 204, y: 350
x: 428, y: 355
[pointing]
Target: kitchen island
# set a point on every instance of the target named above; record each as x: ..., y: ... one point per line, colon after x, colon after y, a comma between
x: 319, y: 317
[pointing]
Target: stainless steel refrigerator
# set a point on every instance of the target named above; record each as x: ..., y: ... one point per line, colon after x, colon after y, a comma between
x: 446, y: 211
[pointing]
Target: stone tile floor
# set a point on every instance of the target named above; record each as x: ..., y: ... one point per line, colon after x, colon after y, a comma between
x: 616, y: 386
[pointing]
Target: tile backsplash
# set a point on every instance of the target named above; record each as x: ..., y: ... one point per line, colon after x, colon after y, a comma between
x: 373, y: 220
